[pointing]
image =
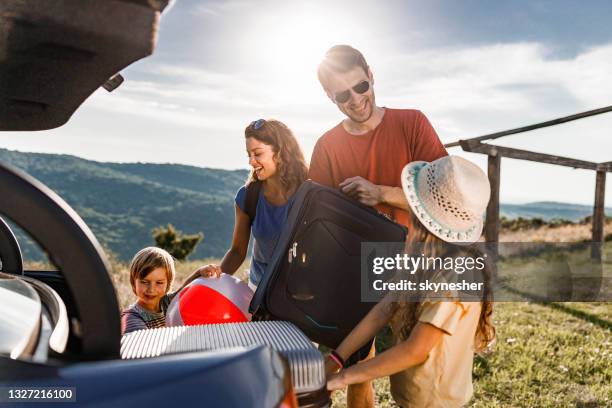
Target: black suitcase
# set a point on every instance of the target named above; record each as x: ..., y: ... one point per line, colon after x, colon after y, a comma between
x: 314, y: 277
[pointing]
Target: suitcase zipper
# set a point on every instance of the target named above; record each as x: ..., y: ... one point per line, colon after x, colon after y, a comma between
x: 267, y: 294
x: 295, y: 226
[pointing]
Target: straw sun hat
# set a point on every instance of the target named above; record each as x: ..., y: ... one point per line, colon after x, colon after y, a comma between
x: 449, y: 196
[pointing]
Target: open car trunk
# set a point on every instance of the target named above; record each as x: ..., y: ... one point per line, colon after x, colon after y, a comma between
x: 55, y: 54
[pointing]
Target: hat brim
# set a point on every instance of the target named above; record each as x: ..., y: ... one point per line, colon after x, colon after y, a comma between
x: 409, y: 180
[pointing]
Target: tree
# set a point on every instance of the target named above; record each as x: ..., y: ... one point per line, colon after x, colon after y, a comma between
x: 175, y: 242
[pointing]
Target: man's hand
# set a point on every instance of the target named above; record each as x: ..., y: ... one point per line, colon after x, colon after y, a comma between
x: 209, y: 271
x: 362, y: 190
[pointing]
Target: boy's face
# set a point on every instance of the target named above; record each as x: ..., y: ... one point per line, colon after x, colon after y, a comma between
x: 150, y: 289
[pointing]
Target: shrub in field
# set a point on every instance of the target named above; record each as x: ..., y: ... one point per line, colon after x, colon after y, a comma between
x: 521, y: 224
x: 177, y: 244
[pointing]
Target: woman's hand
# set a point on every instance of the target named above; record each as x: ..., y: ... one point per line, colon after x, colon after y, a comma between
x: 336, y: 381
x: 209, y: 271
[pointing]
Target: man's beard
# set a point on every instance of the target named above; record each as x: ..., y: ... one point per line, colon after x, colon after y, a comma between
x: 368, y: 113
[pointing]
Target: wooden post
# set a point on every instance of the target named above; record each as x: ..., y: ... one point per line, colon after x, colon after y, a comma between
x: 492, y: 222
x: 599, y: 214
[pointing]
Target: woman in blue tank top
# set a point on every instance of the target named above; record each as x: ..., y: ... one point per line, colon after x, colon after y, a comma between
x: 277, y: 162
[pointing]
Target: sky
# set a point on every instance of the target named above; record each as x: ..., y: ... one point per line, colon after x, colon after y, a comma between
x: 473, y: 67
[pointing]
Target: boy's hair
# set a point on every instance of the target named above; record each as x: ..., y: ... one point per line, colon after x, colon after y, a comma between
x: 338, y: 60
x: 148, y: 259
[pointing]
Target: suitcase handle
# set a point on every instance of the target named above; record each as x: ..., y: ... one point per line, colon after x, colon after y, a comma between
x: 302, y: 297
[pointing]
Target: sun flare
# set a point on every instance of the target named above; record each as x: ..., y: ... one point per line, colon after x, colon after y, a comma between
x: 291, y: 47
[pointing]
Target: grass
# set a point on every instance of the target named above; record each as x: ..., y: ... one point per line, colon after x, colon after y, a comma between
x: 557, y: 273
x: 547, y: 355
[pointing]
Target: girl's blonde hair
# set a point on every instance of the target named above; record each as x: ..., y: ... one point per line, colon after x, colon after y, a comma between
x: 432, y: 246
x: 148, y: 259
x: 291, y: 166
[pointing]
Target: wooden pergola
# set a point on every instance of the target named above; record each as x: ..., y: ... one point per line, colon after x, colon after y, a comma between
x: 495, y: 154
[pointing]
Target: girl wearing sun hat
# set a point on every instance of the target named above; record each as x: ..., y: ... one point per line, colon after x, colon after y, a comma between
x: 435, y: 340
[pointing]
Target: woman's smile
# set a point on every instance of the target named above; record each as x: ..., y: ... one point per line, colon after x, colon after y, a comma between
x: 261, y: 158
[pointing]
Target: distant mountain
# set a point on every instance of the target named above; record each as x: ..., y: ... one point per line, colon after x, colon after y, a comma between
x: 548, y: 210
x: 121, y: 203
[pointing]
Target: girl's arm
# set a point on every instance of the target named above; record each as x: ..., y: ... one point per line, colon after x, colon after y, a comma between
x: 367, y: 328
x: 411, y: 352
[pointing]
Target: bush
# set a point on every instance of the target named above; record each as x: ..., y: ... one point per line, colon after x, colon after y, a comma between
x: 175, y: 242
x: 520, y: 223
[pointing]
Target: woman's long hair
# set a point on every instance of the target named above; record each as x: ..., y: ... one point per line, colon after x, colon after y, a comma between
x: 291, y: 166
x: 407, y: 312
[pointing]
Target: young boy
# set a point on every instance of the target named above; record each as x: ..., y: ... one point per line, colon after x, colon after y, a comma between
x: 151, y: 274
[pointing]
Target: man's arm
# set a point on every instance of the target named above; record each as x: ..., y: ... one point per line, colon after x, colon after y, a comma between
x: 394, y: 196
x: 372, y: 194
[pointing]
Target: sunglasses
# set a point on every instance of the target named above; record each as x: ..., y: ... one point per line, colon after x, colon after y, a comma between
x: 344, y: 96
x: 256, y: 124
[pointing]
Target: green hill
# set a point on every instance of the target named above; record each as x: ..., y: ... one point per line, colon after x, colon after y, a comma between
x: 121, y: 203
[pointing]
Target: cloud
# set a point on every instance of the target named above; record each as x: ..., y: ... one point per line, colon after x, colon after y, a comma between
x: 496, y: 84
x: 195, y: 97
x: 219, y: 8
x: 465, y: 91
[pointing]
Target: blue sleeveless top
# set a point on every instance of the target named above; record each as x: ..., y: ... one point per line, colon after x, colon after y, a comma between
x: 265, y: 230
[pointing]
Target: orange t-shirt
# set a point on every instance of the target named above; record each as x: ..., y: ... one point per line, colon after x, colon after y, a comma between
x: 403, y: 136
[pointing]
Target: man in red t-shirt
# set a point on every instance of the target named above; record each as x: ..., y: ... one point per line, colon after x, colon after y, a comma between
x: 365, y: 153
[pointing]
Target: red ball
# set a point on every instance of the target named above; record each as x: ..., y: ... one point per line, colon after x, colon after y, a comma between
x: 211, y: 300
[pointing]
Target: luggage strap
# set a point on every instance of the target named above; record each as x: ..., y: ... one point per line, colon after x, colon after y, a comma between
x: 252, y: 196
